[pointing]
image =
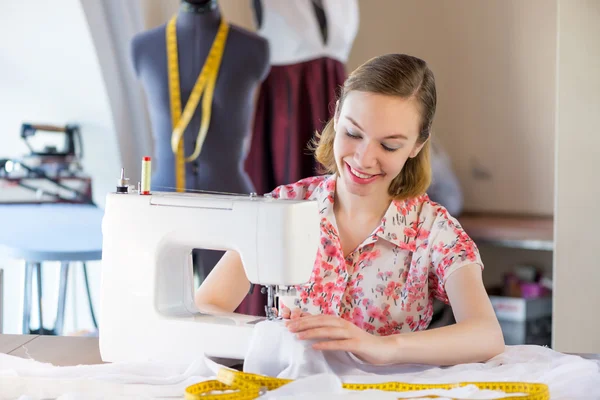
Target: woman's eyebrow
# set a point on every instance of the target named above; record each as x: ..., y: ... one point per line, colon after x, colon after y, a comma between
x: 394, y: 136
x: 355, y: 123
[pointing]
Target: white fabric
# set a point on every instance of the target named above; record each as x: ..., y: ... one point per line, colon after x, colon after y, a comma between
x: 275, y: 352
x: 35, y: 380
x: 292, y: 30
x: 568, y: 376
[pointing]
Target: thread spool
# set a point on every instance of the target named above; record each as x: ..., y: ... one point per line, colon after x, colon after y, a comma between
x: 146, y: 173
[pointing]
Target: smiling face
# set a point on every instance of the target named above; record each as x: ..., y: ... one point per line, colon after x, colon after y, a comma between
x: 374, y: 136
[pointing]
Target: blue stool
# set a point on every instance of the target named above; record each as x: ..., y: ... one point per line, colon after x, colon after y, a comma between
x: 51, y: 232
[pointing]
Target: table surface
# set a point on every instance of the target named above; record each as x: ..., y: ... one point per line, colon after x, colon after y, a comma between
x: 57, y: 350
x: 515, y: 231
x: 73, y: 350
x: 51, y: 232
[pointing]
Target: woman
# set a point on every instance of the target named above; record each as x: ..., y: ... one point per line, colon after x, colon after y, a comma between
x: 386, y: 249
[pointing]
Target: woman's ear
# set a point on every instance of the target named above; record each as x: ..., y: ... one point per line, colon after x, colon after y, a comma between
x: 415, y: 151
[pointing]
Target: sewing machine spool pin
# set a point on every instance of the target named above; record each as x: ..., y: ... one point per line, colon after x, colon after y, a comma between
x: 123, y: 183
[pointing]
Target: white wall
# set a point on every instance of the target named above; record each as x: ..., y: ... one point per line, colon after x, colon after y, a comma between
x: 50, y: 73
x: 112, y: 24
x: 494, y: 63
x: 576, y: 264
x: 157, y: 12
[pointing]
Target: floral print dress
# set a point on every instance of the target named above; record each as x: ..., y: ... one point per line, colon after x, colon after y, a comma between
x: 388, y: 283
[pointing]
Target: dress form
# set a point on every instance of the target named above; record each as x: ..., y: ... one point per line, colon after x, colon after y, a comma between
x: 244, y: 65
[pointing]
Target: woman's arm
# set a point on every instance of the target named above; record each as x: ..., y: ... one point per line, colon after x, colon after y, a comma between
x: 225, y: 286
x: 476, y: 336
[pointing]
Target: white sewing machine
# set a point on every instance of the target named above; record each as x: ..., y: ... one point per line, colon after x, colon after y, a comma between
x: 147, y: 308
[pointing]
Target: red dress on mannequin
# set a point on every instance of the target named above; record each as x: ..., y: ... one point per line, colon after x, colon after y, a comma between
x: 309, y: 44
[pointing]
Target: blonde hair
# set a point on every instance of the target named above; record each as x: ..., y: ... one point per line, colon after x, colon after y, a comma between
x: 398, y: 75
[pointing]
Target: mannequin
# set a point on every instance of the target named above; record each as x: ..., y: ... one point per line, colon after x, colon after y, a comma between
x: 244, y: 65
x: 309, y: 44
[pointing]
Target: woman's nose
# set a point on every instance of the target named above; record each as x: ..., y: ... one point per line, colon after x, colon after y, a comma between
x: 366, y: 155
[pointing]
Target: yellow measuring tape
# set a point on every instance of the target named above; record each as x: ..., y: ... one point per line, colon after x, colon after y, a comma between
x: 205, y: 84
x: 238, y: 385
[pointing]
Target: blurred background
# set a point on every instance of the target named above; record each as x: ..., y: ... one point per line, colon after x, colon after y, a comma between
x: 515, y: 132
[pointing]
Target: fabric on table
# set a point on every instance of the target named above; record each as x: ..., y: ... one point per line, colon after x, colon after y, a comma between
x: 568, y: 376
x: 275, y: 351
x: 31, y: 379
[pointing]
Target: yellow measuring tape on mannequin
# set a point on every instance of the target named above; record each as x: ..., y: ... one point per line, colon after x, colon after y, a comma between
x: 241, y: 386
x: 205, y: 84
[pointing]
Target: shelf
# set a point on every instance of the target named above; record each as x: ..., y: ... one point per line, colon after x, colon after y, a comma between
x: 515, y: 231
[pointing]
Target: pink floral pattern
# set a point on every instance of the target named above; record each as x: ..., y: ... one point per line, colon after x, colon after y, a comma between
x: 388, y: 283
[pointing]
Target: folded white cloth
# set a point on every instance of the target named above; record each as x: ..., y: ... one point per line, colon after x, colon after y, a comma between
x: 275, y: 352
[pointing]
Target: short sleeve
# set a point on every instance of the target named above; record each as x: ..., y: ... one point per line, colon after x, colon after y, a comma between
x: 451, y: 248
x: 287, y: 192
x: 300, y: 190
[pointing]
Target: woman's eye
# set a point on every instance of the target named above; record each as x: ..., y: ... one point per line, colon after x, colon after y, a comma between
x: 387, y: 148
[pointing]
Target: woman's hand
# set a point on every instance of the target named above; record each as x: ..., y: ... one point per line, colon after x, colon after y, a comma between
x: 286, y: 313
x: 335, y: 333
